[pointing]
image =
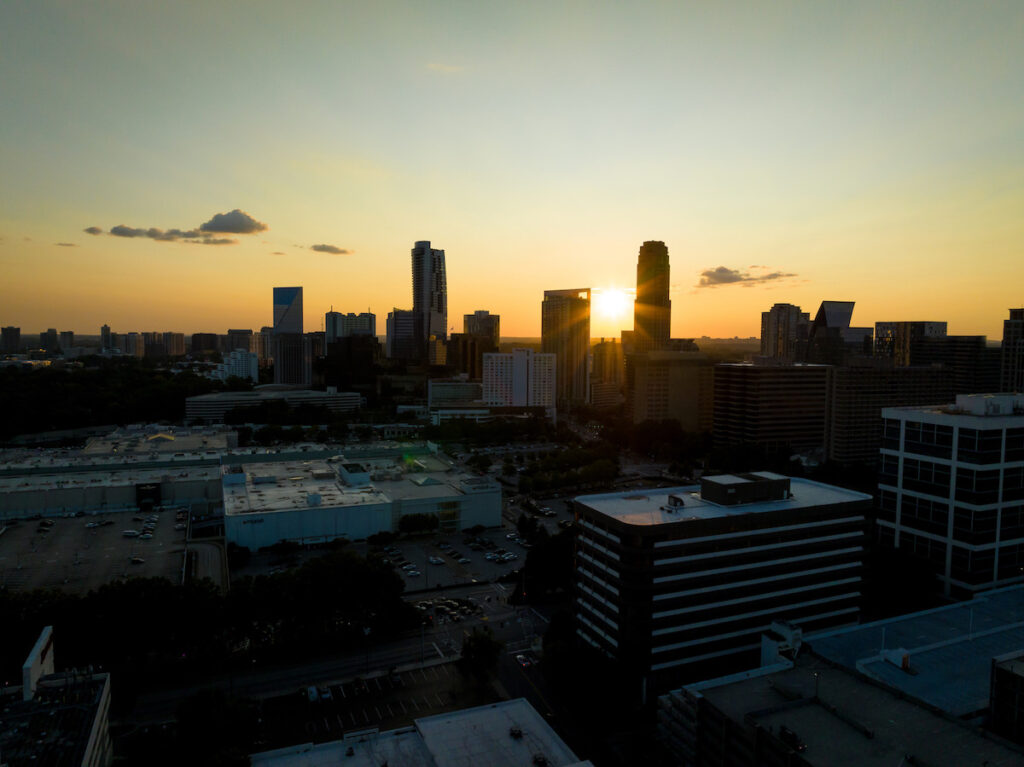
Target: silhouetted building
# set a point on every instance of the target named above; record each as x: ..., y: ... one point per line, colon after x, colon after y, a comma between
x: 11, y: 337
x: 784, y: 331
x: 831, y: 340
x: 1012, y: 352
x: 351, y: 362
x: 857, y: 395
x: 240, y: 339
x: 105, y: 338
x: 774, y: 406
x: 67, y: 340
x: 565, y: 332
x: 238, y: 364
x: 430, y: 290
x: 677, y: 583
x: 405, y: 340
x: 292, y: 355
x: 899, y: 340
x: 483, y: 323
x: 466, y: 353
x: 175, y: 344
x: 673, y: 386
x: 951, y: 489
x: 972, y: 365
x: 607, y: 375
x: 203, y: 343
x: 652, y: 309
x: 338, y: 325
x: 265, y: 345
x: 50, y: 340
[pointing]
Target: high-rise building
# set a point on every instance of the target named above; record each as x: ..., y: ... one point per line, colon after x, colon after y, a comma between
x: 11, y: 339
x: 521, y: 378
x: 565, y: 332
x: 483, y: 323
x: 1012, y: 375
x: 951, y: 489
x: 673, y: 386
x: 67, y: 339
x: 338, y: 325
x: 239, y: 338
x: 784, y: 330
x: 430, y: 291
x: 679, y: 583
x: 292, y: 359
x: 831, y: 340
x: 774, y: 406
x: 174, y: 343
x: 897, y: 340
x: 405, y: 340
x: 265, y: 345
x: 238, y: 364
x: 50, y: 340
x: 972, y: 365
x: 105, y: 337
x: 203, y: 343
x: 652, y: 309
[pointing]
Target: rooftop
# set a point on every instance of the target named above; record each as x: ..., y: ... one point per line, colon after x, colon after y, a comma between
x: 949, y: 649
x: 653, y: 507
x: 979, y: 410
x: 845, y: 720
x: 506, y: 734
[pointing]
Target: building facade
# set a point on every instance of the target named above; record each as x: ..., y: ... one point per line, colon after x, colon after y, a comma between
x: 430, y: 290
x: 521, y: 378
x: 652, y: 309
x: 1012, y: 372
x: 951, y: 489
x: 674, y: 386
x: 565, y: 332
x: 679, y: 582
x: 292, y: 356
x: 784, y: 330
x: 483, y: 323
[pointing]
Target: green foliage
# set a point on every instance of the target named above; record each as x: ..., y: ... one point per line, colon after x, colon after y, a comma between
x: 479, y: 461
x: 480, y: 653
x: 596, y: 464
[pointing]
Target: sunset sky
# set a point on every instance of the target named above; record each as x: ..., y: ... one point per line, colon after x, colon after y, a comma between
x: 784, y: 151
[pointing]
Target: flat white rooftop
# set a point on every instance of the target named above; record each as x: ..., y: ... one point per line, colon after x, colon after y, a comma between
x: 650, y: 507
x: 106, y: 478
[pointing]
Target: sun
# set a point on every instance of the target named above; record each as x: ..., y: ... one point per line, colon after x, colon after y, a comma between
x: 611, y: 303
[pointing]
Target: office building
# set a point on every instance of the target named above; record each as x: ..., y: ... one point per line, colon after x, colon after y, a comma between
x: 430, y: 291
x: 174, y: 343
x: 50, y: 340
x: 67, y: 340
x: 238, y: 364
x: 652, y: 309
x: 211, y: 408
x: 1012, y: 353
x: 292, y: 354
x: 105, y: 338
x: 676, y: 582
x: 239, y: 338
x: 972, y: 365
x: 521, y: 378
x: 405, y: 341
x: 484, y: 324
x: 774, y: 406
x: 898, y: 340
x: 338, y: 325
x: 264, y: 341
x: 565, y: 332
x: 673, y: 386
x: 11, y: 339
x: 831, y: 340
x: 203, y: 343
x: 55, y: 718
x: 607, y: 375
x: 506, y: 734
x: 951, y: 489
x: 784, y: 331
x: 910, y: 690
x: 857, y: 395
x: 134, y: 344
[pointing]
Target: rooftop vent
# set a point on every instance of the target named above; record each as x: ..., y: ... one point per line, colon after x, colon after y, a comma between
x: 515, y: 732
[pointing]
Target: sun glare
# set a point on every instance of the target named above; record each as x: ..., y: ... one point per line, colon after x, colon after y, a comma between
x: 611, y: 303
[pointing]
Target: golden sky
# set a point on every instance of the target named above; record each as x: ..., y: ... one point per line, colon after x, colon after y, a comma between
x: 785, y: 152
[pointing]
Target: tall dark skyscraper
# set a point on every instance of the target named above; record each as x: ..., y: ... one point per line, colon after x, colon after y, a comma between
x: 565, y: 332
x: 430, y: 290
x: 1013, y: 352
x: 291, y: 351
x: 652, y: 311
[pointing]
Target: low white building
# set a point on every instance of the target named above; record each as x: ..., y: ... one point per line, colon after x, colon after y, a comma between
x: 238, y: 364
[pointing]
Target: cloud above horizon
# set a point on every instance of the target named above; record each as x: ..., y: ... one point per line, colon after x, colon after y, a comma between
x: 66, y: 244
x: 330, y: 249
x: 234, y: 222
x: 723, y: 275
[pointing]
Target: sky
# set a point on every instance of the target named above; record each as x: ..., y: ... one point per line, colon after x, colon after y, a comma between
x: 785, y: 152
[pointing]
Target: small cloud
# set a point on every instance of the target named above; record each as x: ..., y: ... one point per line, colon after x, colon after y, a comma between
x: 235, y: 222
x: 216, y: 241
x: 126, y: 231
x: 279, y: 253
x: 66, y: 244
x: 330, y: 249
x: 94, y: 230
x: 723, y: 275
x: 27, y: 239
x: 447, y: 69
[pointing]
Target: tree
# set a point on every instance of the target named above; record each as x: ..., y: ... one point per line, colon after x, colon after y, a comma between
x: 480, y: 653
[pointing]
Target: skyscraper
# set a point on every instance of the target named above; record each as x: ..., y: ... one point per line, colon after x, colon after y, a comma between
x: 11, y: 339
x: 565, y: 332
x: 784, y: 330
x: 430, y: 290
x: 291, y: 352
x: 338, y: 325
x: 652, y: 310
x: 1012, y: 379
x: 483, y: 323
x: 521, y: 378
x: 105, y: 337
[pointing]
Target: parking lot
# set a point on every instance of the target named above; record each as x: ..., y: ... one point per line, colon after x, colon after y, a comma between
x: 64, y: 553
x: 383, y: 700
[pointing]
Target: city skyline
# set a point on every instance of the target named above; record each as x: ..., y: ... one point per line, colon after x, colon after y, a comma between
x: 784, y: 154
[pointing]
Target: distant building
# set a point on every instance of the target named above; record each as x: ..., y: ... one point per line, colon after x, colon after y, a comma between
x: 674, y: 386
x: 11, y: 339
x: 211, y: 408
x: 1012, y: 375
x: 67, y: 340
x: 972, y: 365
x: 465, y: 353
x: 240, y: 338
x: 50, y: 340
x: 897, y: 340
x: 454, y: 394
x: 292, y: 354
x: 784, y: 331
x: 607, y: 375
x: 338, y: 325
x: 831, y: 340
x: 239, y: 364
x: 55, y: 718
x: 521, y: 378
x: 951, y: 489
x: 203, y: 343
x: 484, y: 324
x: 675, y: 582
x: 105, y: 337
x: 264, y: 341
x: 430, y: 290
x: 774, y: 406
x: 134, y: 344
x: 565, y: 332
x: 652, y: 309
x: 405, y: 340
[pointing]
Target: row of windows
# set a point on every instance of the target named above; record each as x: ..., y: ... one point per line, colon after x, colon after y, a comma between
x: 973, y: 445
